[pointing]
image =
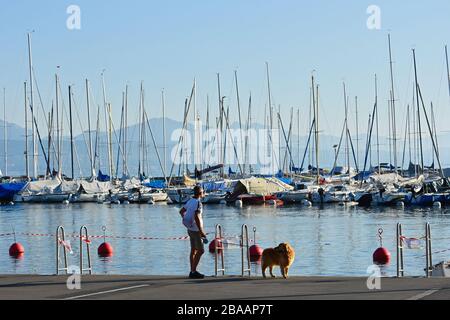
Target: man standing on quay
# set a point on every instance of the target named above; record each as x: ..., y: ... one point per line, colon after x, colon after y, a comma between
x: 192, y: 220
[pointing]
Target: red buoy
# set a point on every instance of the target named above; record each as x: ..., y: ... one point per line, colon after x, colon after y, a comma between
x: 381, y: 256
x: 105, y: 250
x: 256, y: 251
x: 16, y: 250
x: 215, y: 243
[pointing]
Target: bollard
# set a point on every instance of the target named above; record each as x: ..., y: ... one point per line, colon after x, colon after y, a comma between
x: 244, y: 244
x: 400, y: 269
x: 218, y: 251
x: 428, y: 253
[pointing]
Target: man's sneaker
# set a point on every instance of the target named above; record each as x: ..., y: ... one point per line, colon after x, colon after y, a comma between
x: 196, y: 275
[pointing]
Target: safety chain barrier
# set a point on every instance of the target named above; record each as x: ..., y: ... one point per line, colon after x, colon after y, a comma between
x: 76, y: 236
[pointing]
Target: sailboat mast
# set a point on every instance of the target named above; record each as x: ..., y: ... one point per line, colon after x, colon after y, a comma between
x: 33, y: 129
x: 26, y: 130
x: 280, y: 165
x: 225, y: 140
x: 140, y: 131
x: 394, y: 129
x: 418, y: 112
x: 5, y: 132
x: 58, y: 127
x: 347, y: 159
x: 357, y: 132
x: 291, y: 125
x: 239, y: 113
x: 390, y: 127
x: 369, y: 141
x: 376, y: 115
x: 414, y: 114
x: 220, y: 125
x: 315, y: 102
x: 125, y: 140
x: 120, y: 142
x: 196, y: 151
x: 448, y: 70
x: 270, y: 115
x: 298, y: 135
x: 207, y: 130
x: 310, y: 151
x: 97, y: 130
x: 409, y: 133
x: 107, y: 126
x: 88, y: 106
x: 317, y: 133
x: 248, y: 134
x: 71, y: 131
x: 50, y: 130
x: 164, y: 133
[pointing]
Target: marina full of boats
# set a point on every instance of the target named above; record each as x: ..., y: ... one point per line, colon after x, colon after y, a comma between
x: 376, y: 189
x: 290, y: 182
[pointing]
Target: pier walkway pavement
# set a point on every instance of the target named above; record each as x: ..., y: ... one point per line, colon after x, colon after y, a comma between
x: 111, y: 287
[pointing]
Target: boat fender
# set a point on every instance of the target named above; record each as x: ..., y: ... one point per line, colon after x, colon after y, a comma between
x: 400, y: 204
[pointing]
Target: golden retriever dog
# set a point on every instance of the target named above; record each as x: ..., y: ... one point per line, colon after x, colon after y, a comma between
x: 282, y: 256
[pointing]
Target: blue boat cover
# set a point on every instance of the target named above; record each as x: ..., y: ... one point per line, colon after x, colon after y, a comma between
x: 363, y: 175
x: 156, y: 184
x: 8, y: 190
x: 214, y: 186
x: 285, y: 180
x: 278, y: 176
x: 102, y: 177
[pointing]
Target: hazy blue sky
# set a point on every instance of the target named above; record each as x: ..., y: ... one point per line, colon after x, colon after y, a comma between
x: 168, y: 43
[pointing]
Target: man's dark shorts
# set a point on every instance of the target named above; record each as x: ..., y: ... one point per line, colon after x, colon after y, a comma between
x: 196, y: 240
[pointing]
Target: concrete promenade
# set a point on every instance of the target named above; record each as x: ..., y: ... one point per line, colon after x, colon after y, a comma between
x: 26, y: 287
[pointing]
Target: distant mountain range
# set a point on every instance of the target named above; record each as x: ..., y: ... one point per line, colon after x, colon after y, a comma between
x: 16, y: 147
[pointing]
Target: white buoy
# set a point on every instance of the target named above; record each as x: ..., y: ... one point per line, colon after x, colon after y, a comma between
x: 11, y: 203
x: 151, y: 202
x: 437, y: 204
x: 307, y: 203
x: 66, y: 202
x: 126, y: 202
x: 239, y: 203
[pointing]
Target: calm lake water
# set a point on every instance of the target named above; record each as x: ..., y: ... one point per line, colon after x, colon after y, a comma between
x: 332, y: 240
